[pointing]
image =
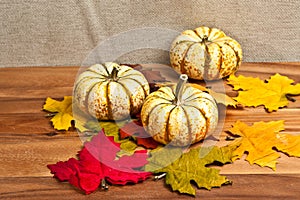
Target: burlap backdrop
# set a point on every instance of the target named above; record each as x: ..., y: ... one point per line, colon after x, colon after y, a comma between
x: 57, y: 32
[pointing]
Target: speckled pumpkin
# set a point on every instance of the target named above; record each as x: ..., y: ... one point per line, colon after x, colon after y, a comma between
x: 110, y: 92
x: 205, y: 54
x: 180, y: 115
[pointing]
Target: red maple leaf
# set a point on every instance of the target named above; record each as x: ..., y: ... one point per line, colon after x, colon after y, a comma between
x: 96, y: 162
x: 135, y: 129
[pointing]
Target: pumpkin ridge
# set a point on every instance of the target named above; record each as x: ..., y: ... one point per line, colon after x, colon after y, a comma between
x: 109, y: 110
x: 170, y: 100
x: 207, y: 60
x: 97, y: 73
x: 145, y: 91
x: 148, y: 116
x: 210, y: 100
x: 209, y: 34
x: 182, y: 69
x: 166, y: 93
x: 187, y: 98
x: 188, y: 124
x: 206, y: 119
x: 197, y: 34
x: 83, y: 79
x: 88, y: 94
x: 105, y: 67
x: 166, y: 136
x: 183, y: 41
x: 78, y: 82
x: 221, y: 58
x: 128, y: 93
x: 127, y: 70
x: 236, y: 54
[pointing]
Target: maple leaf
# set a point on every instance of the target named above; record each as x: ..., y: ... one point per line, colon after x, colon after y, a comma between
x: 63, y: 113
x: 220, y: 98
x: 63, y: 117
x: 112, y: 128
x: 289, y: 144
x: 136, y: 131
x: 272, y: 93
x: 181, y: 169
x: 262, y: 141
x: 97, y: 162
x: 152, y: 76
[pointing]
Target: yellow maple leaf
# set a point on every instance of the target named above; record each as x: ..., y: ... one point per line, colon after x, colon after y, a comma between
x: 271, y: 93
x: 219, y: 97
x: 290, y: 144
x: 63, y: 113
x: 262, y: 141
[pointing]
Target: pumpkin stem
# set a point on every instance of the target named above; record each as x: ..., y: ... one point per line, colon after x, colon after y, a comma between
x: 114, y: 73
x: 179, y: 88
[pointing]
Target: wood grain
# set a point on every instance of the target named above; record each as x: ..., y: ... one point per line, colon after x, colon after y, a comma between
x: 29, y: 142
x: 249, y: 186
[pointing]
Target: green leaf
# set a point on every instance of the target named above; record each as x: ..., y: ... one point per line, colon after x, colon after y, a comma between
x: 191, y: 166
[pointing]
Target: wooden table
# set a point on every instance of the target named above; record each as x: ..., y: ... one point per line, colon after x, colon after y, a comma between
x: 29, y: 142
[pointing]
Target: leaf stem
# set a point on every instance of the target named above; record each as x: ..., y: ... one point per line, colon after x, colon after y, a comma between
x: 103, y: 184
x: 290, y: 98
x: 157, y: 177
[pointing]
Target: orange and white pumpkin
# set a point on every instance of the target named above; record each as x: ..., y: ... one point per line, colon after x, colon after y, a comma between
x: 180, y: 115
x: 205, y: 54
x: 110, y: 92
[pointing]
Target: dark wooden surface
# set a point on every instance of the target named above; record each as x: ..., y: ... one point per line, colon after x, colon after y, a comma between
x: 28, y: 142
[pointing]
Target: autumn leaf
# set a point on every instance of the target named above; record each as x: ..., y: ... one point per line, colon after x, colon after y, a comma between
x: 136, y: 131
x: 272, y: 93
x: 112, y: 128
x: 63, y: 117
x: 153, y: 76
x: 182, y: 168
x: 97, y: 163
x: 262, y: 141
x: 289, y: 144
x: 220, y: 98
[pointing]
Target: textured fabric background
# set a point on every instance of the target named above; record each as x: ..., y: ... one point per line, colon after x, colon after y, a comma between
x: 63, y: 32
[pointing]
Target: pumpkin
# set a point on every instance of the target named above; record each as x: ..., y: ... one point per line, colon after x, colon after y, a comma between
x: 205, y: 54
x: 180, y: 115
x: 110, y: 92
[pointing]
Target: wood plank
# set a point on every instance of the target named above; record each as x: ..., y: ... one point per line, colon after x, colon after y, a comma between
x: 256, y: 186
x: 25, y: 124
x: 22, y: 156
x: 37, y: 82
